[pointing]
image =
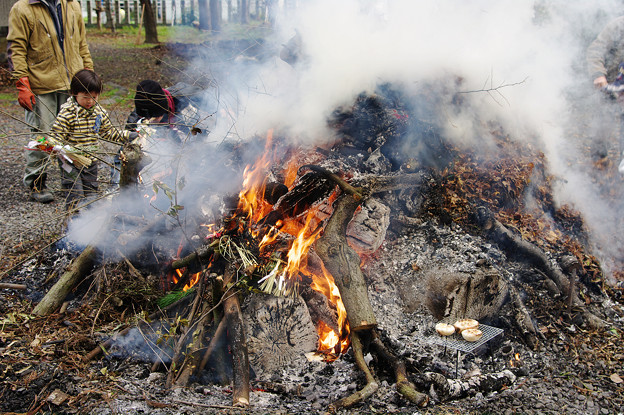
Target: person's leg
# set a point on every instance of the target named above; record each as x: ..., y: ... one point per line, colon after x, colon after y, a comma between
x: 72, y: 187
x: 40, y: 120
x: 90, y: 185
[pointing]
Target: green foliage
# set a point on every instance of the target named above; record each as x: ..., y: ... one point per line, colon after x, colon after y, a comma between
x: 173, y: 296
x: 170, y: 193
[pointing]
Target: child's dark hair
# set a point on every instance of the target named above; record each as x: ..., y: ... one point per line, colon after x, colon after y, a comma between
x: 85, y: 80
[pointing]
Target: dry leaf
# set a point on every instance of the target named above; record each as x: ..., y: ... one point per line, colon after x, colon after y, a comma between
x: 616, y: 378
x: 57, y: 397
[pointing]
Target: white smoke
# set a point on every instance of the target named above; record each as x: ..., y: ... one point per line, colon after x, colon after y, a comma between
x: 526, y: 57
x: 520, y: 63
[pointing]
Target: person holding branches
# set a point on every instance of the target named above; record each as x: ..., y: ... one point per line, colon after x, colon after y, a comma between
x: 46, y: 46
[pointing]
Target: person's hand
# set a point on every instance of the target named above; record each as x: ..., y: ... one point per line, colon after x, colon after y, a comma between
x: 600, y: 82
x: 132, y: 136
x: 25, y: 96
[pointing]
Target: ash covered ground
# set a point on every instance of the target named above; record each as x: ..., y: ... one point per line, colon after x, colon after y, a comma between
x: 572, y: 368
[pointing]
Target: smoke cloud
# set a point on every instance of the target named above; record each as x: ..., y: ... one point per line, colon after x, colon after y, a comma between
x: 519, y: 63
x: 522, y: 65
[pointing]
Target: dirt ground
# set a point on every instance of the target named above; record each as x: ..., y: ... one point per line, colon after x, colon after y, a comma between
x: 576, y: 370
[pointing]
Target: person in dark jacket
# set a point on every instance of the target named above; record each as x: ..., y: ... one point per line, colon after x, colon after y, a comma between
x: 176, y: 108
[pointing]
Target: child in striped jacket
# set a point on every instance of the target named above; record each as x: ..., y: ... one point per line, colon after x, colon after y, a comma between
x: 80, y: 123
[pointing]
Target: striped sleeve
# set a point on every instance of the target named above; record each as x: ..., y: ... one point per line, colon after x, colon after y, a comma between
x: 63, y: 126
x: 109, y: 132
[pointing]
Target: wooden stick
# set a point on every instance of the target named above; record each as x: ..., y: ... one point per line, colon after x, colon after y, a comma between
x: 13, y: 286
x: 240, y: 358
x: 213, y: 343
x: 371, y: 385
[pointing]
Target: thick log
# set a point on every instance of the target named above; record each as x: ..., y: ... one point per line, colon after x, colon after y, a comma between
x: 344, y: 265
x: 279, y: 332
x: 443, y: 389
x: 367, y: 231
x: 455, y: 295
x: 78, y: 268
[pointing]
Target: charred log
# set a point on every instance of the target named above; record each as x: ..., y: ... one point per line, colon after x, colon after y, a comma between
x: 344, y: 264
x: 76, y: 271
x: 515, y: 246
x: 196, y: 259
x: 443, y: 389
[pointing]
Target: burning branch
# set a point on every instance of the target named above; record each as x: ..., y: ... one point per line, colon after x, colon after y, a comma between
x: 344, y: 264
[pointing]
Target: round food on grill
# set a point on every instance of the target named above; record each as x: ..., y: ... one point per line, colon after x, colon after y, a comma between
x: 445, y: 329
x: 467, y: 323
x: 472, y: 335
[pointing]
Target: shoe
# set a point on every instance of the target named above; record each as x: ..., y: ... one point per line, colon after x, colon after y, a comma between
x: 42, y: 196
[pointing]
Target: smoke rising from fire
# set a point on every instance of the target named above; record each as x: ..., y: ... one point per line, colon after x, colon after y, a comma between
x: 517, y: 64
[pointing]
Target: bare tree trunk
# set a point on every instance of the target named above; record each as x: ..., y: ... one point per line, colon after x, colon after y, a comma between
x: 110, y: 21
x: 204, y: 15
x: 244, y: 11
x: 98, y: 12
x: 149, y: 21
x: 215, y: 15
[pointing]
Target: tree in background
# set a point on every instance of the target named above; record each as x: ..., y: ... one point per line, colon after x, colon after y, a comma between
x: 204, y: 14
x: 110, y: 21
x: 215, y: 15
x: 244, y: 11
x: 149, y: 20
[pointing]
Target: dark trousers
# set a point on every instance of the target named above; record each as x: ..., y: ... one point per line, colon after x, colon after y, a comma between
x: 79, y: 184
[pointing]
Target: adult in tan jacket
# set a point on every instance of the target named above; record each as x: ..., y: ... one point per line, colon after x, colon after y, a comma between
x: 46, y: 46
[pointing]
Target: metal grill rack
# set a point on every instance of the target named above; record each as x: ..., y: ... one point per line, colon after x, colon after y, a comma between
x: 456, y: 342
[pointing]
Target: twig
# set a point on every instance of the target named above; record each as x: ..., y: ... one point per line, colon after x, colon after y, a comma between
x: 13, y: 286
x: 203, y: 405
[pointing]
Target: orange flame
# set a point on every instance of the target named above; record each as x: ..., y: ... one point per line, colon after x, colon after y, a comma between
x: 251, y: 198
x: 192, y: 281
x: 306, y: 231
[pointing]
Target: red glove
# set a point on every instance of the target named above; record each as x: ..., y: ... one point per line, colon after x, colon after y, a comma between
x: 25, y: 98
